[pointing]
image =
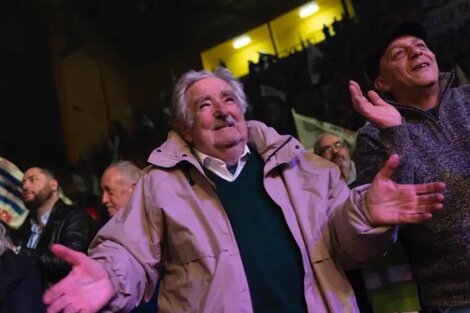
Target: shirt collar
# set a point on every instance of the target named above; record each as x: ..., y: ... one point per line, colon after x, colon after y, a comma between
x: 208, y: 160
x: 44, y: 218
x: 219, y: 167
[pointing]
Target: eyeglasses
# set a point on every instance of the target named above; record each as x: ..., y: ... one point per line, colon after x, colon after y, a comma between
x: 328, y: 149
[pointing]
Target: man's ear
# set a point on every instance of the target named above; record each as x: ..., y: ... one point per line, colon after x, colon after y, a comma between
x: 54, y: 184
x: 183, y: 130
x: 381, y: 85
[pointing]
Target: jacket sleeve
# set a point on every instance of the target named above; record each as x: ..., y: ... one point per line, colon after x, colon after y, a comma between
x: 129, y: 248
x: 353, y: 238
x: 374, y: 147
x: 76, y: 233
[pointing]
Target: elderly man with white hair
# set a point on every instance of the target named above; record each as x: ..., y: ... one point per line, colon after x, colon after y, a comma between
x: 241, y: 218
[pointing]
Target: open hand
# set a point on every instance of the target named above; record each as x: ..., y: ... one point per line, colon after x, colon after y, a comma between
x: 374, y: 109
x: 389, y: 203
x: 86, y: 289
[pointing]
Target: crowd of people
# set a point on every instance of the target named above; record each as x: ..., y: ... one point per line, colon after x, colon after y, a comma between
x: 230, y: 215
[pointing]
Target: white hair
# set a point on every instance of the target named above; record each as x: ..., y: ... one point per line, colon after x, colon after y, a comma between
x: 179, y: 106
x: 128, y: 170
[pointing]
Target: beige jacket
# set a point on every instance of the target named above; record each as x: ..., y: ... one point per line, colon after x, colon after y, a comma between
x: 175, y: 220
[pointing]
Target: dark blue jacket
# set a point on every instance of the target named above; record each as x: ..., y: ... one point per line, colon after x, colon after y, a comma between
x: 20, y: 285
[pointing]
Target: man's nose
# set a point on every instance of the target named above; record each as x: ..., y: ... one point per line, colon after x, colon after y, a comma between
x: 416, y: 52
x: 104, y: 198
x: 220, y: 108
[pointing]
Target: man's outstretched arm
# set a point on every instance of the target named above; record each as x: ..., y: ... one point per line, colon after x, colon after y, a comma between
x: 87, y: 288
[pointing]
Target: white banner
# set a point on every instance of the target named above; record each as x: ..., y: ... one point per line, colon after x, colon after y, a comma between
x: 309, y: 129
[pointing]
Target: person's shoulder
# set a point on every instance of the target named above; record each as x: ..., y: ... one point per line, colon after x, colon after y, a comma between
x: 463, y: 91
x: 317, y: 163
x: 61, y: 207
x: 64, y: 212
x: 20, y: 260
x: 367, y: 128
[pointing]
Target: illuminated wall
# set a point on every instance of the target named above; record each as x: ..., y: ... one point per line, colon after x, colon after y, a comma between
x: 237, y: 59
x: 288, y: 31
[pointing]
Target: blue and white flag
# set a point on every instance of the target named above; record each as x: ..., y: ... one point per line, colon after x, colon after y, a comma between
x: 12, y: 209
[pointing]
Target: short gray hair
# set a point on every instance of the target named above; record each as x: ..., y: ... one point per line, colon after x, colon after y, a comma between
x: 127, y: 169
x: 179, y: 106
x: 5, y: 242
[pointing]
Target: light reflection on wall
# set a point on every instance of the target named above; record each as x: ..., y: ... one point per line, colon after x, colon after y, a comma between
x: 288, y: 32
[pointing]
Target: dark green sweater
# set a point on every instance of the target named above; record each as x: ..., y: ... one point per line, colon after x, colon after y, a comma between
x: 270, y: 256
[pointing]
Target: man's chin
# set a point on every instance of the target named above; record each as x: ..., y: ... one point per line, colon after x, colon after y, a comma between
x: 112, y: 212
x: 31, y: 205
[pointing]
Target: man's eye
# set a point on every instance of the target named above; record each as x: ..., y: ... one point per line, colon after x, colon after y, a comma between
x: 203, y: 105
x: 397, y: 54
x: 229, y: 99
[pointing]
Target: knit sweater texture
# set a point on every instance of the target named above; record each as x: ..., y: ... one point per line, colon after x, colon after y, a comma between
x: 431, y: 148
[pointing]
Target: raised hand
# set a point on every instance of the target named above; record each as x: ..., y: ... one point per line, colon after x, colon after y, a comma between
x: 389, y: 203
x: 86, y: 289
x: 375, y: 110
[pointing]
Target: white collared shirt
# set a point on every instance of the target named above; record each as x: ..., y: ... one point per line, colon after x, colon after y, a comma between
x: 36, y: 230
x: 219, y: 168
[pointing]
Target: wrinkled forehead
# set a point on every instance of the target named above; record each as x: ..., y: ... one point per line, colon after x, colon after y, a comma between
x: 206, y: 88
x: 112, y: 176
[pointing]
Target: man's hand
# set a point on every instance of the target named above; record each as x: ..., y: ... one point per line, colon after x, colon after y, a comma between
x: 375, y: 110
x: 86, y: 289
x: 389, y: 203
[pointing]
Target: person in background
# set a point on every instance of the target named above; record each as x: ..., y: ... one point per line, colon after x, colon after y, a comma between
x: 50, y: 221
x: 242, y: 219
x: 337, y: 150
x: 425, y: 120
x: 20, y: 284
x: 118, y: 182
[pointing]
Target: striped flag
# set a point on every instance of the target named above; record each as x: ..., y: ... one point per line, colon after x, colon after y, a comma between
x: 12, y: 209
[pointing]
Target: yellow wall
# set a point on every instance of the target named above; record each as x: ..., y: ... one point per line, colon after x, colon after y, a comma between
x: 288, y: 31
x: 237, y: 59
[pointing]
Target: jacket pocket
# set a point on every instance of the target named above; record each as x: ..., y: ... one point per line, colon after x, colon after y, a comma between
x: 192, y: 250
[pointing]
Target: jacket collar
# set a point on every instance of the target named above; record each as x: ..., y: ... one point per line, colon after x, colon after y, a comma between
x: 265, y: 141
x: 445, y: 82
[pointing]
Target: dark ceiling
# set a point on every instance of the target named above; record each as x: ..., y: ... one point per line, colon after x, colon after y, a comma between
x: 148, y: 29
